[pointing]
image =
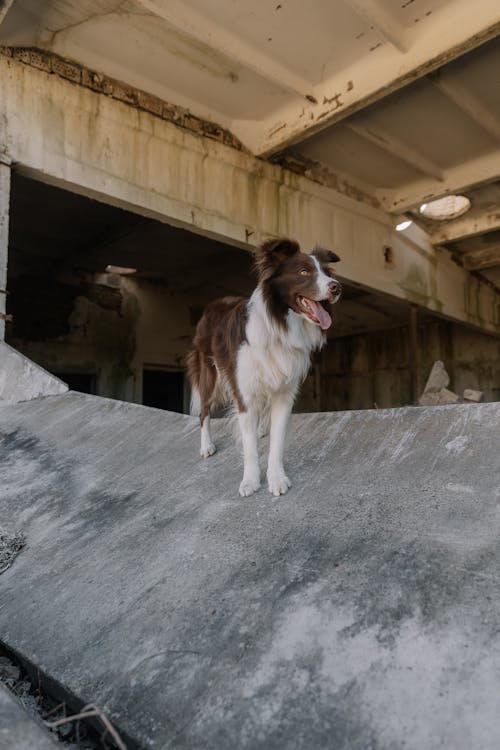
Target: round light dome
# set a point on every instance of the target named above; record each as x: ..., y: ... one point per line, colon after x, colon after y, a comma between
x: 449, y: 207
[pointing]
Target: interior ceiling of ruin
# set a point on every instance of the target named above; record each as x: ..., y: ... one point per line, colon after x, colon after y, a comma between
x: 398, y: 99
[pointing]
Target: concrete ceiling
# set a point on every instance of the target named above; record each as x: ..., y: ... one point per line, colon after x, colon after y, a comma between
x: 401, y: 99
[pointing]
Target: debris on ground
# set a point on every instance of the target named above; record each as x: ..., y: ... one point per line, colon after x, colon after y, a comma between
x: 471, y: 395
x: 436, y: 391
x: 10, y: 546
x: 72, y: 730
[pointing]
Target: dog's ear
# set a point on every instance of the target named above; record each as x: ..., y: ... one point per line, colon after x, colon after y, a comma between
x: 325, y: 256
x: 270, y: 255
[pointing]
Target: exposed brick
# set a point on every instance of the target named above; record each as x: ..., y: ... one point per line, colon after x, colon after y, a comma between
x: 193, y: 123
x: 110, y: 87
x: 66, y: 69
x: 174, y: 114
x: 21, y: 54
x: 93, y: 80
x: 40, y: 60
x: 150, y: 103
x: 125, y: 94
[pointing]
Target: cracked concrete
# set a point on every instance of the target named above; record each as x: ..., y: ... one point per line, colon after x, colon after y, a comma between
x: 359, y: 610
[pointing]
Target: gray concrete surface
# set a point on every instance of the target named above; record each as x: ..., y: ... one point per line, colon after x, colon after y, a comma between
x: 18, y: 731
x: 358, y: 611
x: 21, y: 379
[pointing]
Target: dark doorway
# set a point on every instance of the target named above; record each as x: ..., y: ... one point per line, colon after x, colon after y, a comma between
x: 163, y: 389
x: 84, y: 382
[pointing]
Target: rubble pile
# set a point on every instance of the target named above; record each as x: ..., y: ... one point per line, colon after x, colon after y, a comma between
x: 436, y: 389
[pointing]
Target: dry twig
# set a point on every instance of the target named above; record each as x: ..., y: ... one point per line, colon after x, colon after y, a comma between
x: 89, y: 712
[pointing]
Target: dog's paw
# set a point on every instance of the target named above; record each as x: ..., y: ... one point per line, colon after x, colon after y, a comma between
x: 249, y: 486
x: 279, y: 484
x: 208, y: 449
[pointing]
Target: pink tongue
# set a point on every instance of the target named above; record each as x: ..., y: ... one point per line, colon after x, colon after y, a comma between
x: 322, y: 316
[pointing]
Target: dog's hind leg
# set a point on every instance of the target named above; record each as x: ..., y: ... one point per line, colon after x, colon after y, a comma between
x: 206, y: 387
x: 203, y: 377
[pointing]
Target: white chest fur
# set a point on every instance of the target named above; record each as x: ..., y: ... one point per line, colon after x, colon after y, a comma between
x: 274, y: 359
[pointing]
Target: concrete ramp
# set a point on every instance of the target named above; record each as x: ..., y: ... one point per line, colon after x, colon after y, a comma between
x: 361, y: 610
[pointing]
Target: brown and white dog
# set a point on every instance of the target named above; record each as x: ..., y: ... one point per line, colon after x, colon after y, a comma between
x: 256, y: 352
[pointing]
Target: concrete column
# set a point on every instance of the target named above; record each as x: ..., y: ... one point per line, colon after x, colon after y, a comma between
x: 4, y: 234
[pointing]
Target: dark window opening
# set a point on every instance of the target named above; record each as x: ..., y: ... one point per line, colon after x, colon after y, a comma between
x: 163, y: 390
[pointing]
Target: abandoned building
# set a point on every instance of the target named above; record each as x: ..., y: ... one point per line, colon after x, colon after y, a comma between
x: 147, y: 147
x: 136, y: 179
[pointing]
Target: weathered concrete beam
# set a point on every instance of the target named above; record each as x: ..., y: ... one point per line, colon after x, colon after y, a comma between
x: 454, y: 180
x: 466, y: 226
x: 479, y: 259
x: 454, y: 30
x: 71, y: 136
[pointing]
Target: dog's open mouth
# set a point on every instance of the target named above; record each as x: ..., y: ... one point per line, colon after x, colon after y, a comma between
x: 315, y: 311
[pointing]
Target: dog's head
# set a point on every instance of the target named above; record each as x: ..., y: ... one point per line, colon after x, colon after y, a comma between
x: 302, y: 282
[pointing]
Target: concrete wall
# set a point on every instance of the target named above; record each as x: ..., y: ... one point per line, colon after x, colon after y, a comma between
x: 65, y: 133
x: 373, y: 369
x: 86, y: 326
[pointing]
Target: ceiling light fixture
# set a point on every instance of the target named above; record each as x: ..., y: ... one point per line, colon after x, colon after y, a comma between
x: 121, y: 270
x: 403, y: 225
x: 449, y: 207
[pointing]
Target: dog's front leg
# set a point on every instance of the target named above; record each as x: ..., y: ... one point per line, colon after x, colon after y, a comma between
x: 281, y: 407
x: 251, y: 473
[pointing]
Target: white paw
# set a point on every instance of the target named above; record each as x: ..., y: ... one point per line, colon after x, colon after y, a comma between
x: 249, y: 486
x: 207, y: 450
x: 279, y: 484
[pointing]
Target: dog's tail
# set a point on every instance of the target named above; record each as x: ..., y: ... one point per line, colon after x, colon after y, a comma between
x: 193, y: 370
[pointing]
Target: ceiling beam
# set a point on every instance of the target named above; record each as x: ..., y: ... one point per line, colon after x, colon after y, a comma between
x: 394, y: 146
x: 372, y: 12
x: 467, y: 101
x: 466, y: 226
x: 458, y: 179
x: 477, y: 260
x: 449, y: 33
x: 197, y: 26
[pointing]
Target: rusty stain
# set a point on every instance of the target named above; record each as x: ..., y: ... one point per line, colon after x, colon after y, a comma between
x: 350, y: 86
x: 248, y: 234
x: 429, y: 13
x: 328, y: 112
x: 416, y: 20
x: 269, y: 39
x: 408, y: 2
x: 358, y: 36
x: 311, y: 98
x: 277, y: 129
x: 278, y: 7
x: 328, y: 100
x: 375, y: 46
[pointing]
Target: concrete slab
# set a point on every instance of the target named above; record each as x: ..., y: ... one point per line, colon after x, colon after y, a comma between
x: 18, y: 731
x: 21, y: 379
x: 360, y: 610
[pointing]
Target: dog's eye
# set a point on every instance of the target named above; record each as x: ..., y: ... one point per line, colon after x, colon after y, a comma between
x: 304, y: 272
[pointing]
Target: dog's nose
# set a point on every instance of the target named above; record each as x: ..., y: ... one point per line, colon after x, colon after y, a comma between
x: 335, y: 287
